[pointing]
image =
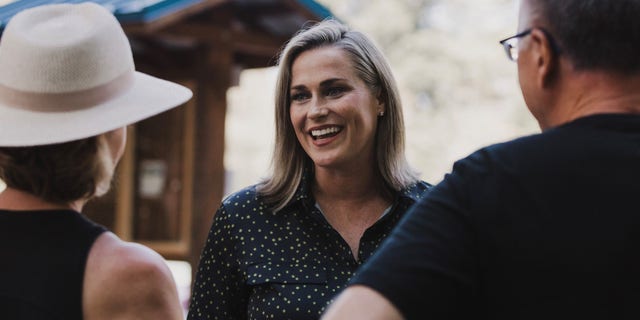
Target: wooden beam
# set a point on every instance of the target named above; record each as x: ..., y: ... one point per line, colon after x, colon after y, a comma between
x: 268, y: 51
x: 165, y: 58
x: 251, y: 61
x: 158, y: 24
x: 201, y: 32
x: 256, y: 46
x: 296, y: 6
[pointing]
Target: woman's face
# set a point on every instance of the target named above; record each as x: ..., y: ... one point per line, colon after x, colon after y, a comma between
x: 333, y: 112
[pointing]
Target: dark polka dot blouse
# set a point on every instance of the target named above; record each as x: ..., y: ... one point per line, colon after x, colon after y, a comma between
x: 257, y: 264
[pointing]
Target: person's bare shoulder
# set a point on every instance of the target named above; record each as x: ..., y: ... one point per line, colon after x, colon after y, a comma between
x: 126, y: 280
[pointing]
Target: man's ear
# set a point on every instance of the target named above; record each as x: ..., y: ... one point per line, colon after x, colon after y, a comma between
x: 545, y: 58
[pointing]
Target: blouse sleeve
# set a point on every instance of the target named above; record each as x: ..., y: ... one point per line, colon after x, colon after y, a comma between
x: 219, y: 290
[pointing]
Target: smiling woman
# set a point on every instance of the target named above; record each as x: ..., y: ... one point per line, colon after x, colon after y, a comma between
x: 339, y: 183
x: 333, y: 112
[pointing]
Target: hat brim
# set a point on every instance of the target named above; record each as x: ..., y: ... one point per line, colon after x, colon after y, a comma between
x: 147, y: 96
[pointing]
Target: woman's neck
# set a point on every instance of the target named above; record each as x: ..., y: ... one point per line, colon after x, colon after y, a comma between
x: 351, y: 201
x: 355, y: 185
x: 14, y: 199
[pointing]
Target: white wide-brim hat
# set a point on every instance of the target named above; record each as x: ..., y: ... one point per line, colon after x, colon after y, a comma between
x: 67, y: 73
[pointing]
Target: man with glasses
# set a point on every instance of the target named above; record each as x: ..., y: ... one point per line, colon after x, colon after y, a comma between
x: 545, y: 226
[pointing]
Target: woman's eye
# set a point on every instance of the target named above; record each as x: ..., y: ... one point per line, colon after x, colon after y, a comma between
x: 335, y: 91
x: 299, y: 96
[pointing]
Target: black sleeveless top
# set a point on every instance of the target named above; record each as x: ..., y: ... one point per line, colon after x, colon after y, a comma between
x: 42, y: 260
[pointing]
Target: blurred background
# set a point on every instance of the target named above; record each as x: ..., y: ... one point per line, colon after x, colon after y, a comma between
x: 459, y: 90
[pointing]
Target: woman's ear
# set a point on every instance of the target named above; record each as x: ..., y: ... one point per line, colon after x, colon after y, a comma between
x: 381, y: 103
x: 381, y: 108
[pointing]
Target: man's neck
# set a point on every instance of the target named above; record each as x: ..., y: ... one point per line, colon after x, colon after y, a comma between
x: 590, y: 93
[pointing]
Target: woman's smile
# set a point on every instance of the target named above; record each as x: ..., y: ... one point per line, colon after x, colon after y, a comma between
x: 324, y: 133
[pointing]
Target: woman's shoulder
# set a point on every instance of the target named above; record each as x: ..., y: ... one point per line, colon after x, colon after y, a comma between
x: 247, y: 194
x: 123, y: 276
x: 244, y: 204
x: 416, y: 190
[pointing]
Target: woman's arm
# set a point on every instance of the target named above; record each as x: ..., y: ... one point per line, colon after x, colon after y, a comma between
x: 128, y: 281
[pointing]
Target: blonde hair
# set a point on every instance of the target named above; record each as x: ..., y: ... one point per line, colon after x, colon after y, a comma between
x: 289, y: 160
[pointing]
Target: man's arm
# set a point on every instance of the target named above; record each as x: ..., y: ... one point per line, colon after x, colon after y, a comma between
x: 360, y: 302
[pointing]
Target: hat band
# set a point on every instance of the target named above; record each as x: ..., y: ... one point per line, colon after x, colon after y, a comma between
x: 66, y: 101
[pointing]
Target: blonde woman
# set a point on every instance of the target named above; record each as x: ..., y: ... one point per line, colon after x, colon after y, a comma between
x: 284, y: 248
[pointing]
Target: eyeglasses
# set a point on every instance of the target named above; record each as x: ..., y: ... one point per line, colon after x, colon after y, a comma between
x: 511, y: 44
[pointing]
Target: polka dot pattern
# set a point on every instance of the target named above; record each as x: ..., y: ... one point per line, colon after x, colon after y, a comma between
x: 257, y: 264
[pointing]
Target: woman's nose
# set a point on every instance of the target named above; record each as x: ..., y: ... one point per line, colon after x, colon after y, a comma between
x: 318, y: 109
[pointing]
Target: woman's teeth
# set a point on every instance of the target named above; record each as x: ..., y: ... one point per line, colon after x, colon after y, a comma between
x: 325, y: 132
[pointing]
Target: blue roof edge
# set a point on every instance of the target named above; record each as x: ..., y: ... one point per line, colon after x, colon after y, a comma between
x: 147, y: 14
x: 155, y: 11
x: 316, y: 8
x: 12, y: 8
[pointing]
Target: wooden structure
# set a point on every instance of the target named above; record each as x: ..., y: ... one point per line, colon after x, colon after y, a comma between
x: 171, y: 179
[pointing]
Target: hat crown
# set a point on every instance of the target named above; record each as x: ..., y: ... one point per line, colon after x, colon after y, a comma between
x: 62, y: 49
x: 67, y: 73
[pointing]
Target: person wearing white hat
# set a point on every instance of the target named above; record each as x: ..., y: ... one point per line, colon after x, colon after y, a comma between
x: 68, y: 89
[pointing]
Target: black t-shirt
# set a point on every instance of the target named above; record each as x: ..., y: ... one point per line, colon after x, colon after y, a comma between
x: 542, y: 227
x: 43, y: 255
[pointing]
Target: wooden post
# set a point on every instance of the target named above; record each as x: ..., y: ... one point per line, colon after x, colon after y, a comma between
x: 214, y: 74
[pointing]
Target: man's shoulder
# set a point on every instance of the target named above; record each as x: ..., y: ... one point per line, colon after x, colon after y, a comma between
x: 509, y: 156
x: 576, y: 134
x: 517, y: 145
